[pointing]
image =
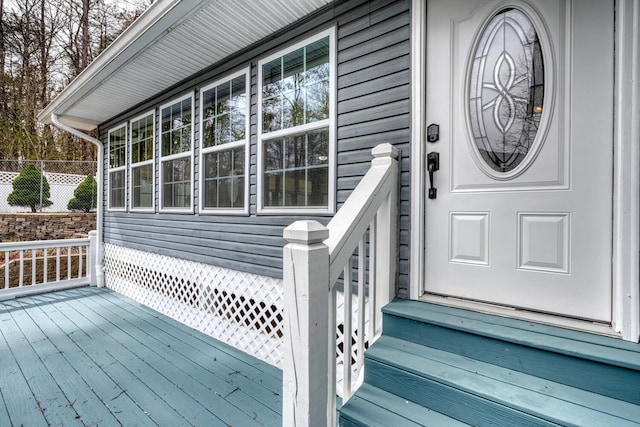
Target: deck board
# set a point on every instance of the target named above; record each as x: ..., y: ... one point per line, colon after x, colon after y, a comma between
x: 90, y: 356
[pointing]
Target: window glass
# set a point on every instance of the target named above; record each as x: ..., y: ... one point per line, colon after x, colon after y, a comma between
x: 142, y: 173
x: 297, y: 170
x: 118, y: 147
x: 295, y: 87
x: 224, y: 137
x: 296, y: 99
x: 176, y: 154
x: 117, y: 167
x: 142, y: 139
x: 224, y: 112
x: 176, y: 128
x: 142, y: 186
x: 176, y: 183
x: 117, y: 189
x: 506, y: 92
x: 224, y: 179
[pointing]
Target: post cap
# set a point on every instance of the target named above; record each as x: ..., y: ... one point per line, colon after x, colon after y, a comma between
x: 306, y: 232
x: 385, y: 150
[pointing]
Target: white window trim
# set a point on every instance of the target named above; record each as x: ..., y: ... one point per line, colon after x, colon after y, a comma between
x: 118, y: 169
x: 188, y: 154
x: 245, y: 142
x: 133, y: 166
x: 331, y: 122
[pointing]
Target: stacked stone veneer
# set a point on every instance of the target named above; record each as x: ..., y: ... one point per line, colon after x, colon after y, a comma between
x: 24, y: 227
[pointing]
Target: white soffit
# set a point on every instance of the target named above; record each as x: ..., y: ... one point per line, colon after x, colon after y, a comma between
x: 171, y: 41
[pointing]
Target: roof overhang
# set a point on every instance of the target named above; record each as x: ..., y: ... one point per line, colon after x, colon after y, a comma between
x: 169, y: 42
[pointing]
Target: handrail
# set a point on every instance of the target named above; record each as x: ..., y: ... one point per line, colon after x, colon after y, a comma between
x: 36, y: 255
x: 41, y: 244
x: 313, y: 260
x: 358, y: 211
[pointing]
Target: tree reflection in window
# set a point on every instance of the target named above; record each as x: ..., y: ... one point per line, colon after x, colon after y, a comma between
x: 295, y: 96
x: 297, y: 170
x: 117, y: 167
x: 224, y: 129
x: 506, y: 90
x: 176, y: 144
x: 142, y: 146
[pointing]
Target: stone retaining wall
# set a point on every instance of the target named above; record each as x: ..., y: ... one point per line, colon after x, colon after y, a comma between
x: 45, y: 226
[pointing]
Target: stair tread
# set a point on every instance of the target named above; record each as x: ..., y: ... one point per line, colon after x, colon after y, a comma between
x: 372, y: 406
x: 602, y: 349
x: 526, y: 393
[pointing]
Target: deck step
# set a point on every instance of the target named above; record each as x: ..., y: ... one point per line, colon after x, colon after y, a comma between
x: 463, y: 367
x: 603, y: 365
x: 373, y: 406
x: 473, y: 391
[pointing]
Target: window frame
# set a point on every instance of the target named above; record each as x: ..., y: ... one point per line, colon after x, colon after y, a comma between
x: 122, y: 168
x: 224, y: 147
x: 171, y: 157
x: 300, y: 129
x: 133, y: 166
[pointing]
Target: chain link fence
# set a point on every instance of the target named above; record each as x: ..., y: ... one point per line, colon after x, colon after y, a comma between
x: 47, y: 186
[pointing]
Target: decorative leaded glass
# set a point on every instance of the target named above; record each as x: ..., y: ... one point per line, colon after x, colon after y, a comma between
x: 506, y: 90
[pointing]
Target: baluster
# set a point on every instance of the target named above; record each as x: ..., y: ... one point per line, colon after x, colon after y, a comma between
x: 45, y: 265
x: 33, y: 266
x: 333, y: 351
x: 346, y: 332
x: 7, y: 267
x: 373, y: 315
x: 361, y: 306
x: 68, y: 262
x: 80, y: 261
x: 57, y: 264
x: 21, y: 281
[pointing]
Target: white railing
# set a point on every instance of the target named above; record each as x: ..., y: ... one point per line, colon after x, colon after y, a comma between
x: 314, y: 259
x: 46, y: 265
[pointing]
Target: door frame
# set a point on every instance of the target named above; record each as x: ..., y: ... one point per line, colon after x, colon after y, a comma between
x: 626, y: 169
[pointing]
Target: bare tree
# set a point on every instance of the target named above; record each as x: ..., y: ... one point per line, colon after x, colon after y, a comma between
x: 43, y: 46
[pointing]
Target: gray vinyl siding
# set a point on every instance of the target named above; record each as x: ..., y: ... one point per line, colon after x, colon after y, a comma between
x: 373, y: 107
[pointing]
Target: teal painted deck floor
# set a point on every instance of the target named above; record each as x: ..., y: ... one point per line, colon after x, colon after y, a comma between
x: 92, y: 357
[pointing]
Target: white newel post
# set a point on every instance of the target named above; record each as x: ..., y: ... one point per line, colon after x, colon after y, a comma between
x: 386, y: 223
x: 306, y: 332
x: 92, y: 259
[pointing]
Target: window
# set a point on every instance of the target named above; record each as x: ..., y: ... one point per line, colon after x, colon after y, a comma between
x: 295, y: 130
x: 224, y: 131
x: 117, y: 167
x: 176, y: 144
x: 142, y: 171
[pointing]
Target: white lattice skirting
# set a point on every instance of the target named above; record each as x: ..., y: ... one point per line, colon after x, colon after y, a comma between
x: 241, y: 309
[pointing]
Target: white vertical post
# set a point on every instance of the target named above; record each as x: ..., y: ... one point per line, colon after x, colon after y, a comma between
x: 45, y: 265
x: 7, y: 267
x: 92, y: 257
x: 68, y: 262
x: 57, y: 264
x: 385, y: 245
x: 306, y: 351
x: 34, y: 268
x: 21, y: 281
x: 347, y: 328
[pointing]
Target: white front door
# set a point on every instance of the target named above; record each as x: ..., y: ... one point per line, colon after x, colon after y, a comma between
x: 523, y: 96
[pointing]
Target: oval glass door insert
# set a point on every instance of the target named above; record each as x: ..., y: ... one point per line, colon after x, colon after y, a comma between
x: 506, y: 93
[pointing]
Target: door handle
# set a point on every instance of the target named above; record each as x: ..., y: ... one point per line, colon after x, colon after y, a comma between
x: 433, y: 164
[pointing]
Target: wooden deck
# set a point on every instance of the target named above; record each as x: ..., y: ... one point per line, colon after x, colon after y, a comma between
x: 92, y: 357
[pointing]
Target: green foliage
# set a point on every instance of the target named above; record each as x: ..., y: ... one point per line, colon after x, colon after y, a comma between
x: 84, y: 196
x: 26, y: 189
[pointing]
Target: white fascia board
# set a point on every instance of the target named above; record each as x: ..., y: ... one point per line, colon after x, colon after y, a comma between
x: 160, y: 17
